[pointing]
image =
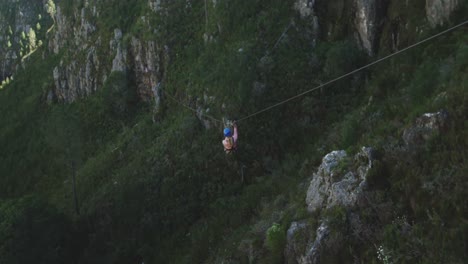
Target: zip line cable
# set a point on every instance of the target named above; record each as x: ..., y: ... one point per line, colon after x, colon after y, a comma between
x: 355, y: 71
x: 328, y: 82
x: 190, y: 108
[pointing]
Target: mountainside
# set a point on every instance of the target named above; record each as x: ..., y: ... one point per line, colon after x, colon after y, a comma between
x: 111, y: 125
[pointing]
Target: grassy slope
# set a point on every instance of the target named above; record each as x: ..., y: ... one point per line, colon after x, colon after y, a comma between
x: 166, y: 192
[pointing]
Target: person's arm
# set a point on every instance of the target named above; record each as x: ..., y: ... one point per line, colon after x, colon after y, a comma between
x: 235, y: 133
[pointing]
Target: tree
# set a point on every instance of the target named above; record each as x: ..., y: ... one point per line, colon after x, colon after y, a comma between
x: 38, y: 26
x: 51, y: 10
x: 9, y: 44
x: 32, y: 39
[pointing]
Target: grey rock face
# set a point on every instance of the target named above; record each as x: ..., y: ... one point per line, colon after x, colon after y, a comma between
x: 339, y: 181
x: 81, y: 76
x: 335, y: 183
x: 425, y: 126
x: 300, y: 247
x: 438, y: 11
x: 368, y: 22
x: 320, y: 185
x: 68, y: 34
x: 120, y: 60
x: 61, y: 32
x: 75, y: 80
x: 313, y: 255
x: 149, y: 61
x: 145, y: 59
x: 297, y: 238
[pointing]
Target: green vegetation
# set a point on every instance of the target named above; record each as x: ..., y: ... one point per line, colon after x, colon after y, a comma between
x: 165, y: 192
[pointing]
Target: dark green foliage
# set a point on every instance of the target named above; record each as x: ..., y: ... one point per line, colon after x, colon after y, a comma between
x: 116, y: 13
x: 424, y: 81
x: 120, y: 97
x: 341, y: 58
x: 32, y: 231
x: 275, y: 242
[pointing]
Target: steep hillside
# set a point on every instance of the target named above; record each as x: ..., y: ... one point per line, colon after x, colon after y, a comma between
x: 112, y: 112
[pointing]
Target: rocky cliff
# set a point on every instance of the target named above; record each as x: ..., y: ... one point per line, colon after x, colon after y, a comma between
x: 85, y: 51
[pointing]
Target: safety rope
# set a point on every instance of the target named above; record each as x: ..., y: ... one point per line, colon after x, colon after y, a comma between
x: 354, y: 71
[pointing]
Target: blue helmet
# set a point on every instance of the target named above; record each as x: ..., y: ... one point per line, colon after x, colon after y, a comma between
x: 227, y: 132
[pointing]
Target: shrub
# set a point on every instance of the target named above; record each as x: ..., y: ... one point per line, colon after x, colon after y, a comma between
x: 342, y: 58
x: 275, y: 242
x: 424, y: 82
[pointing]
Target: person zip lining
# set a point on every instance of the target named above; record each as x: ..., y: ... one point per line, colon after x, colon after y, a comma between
x: 231, y: 135
x: 230, y: 138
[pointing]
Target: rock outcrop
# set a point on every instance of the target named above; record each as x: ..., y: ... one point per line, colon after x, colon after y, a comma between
x: 439, y: 11
x: 79, y: 77
x: 119, y: 63
x: 369, y: 19
x: 82, y: 72
x: 425, y: 127
x: 148, y: 61
x: 73, y: 32
x: 74, y: 80
x: 335, y: 183
x: 339, y: 181
x: 301, y: 248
